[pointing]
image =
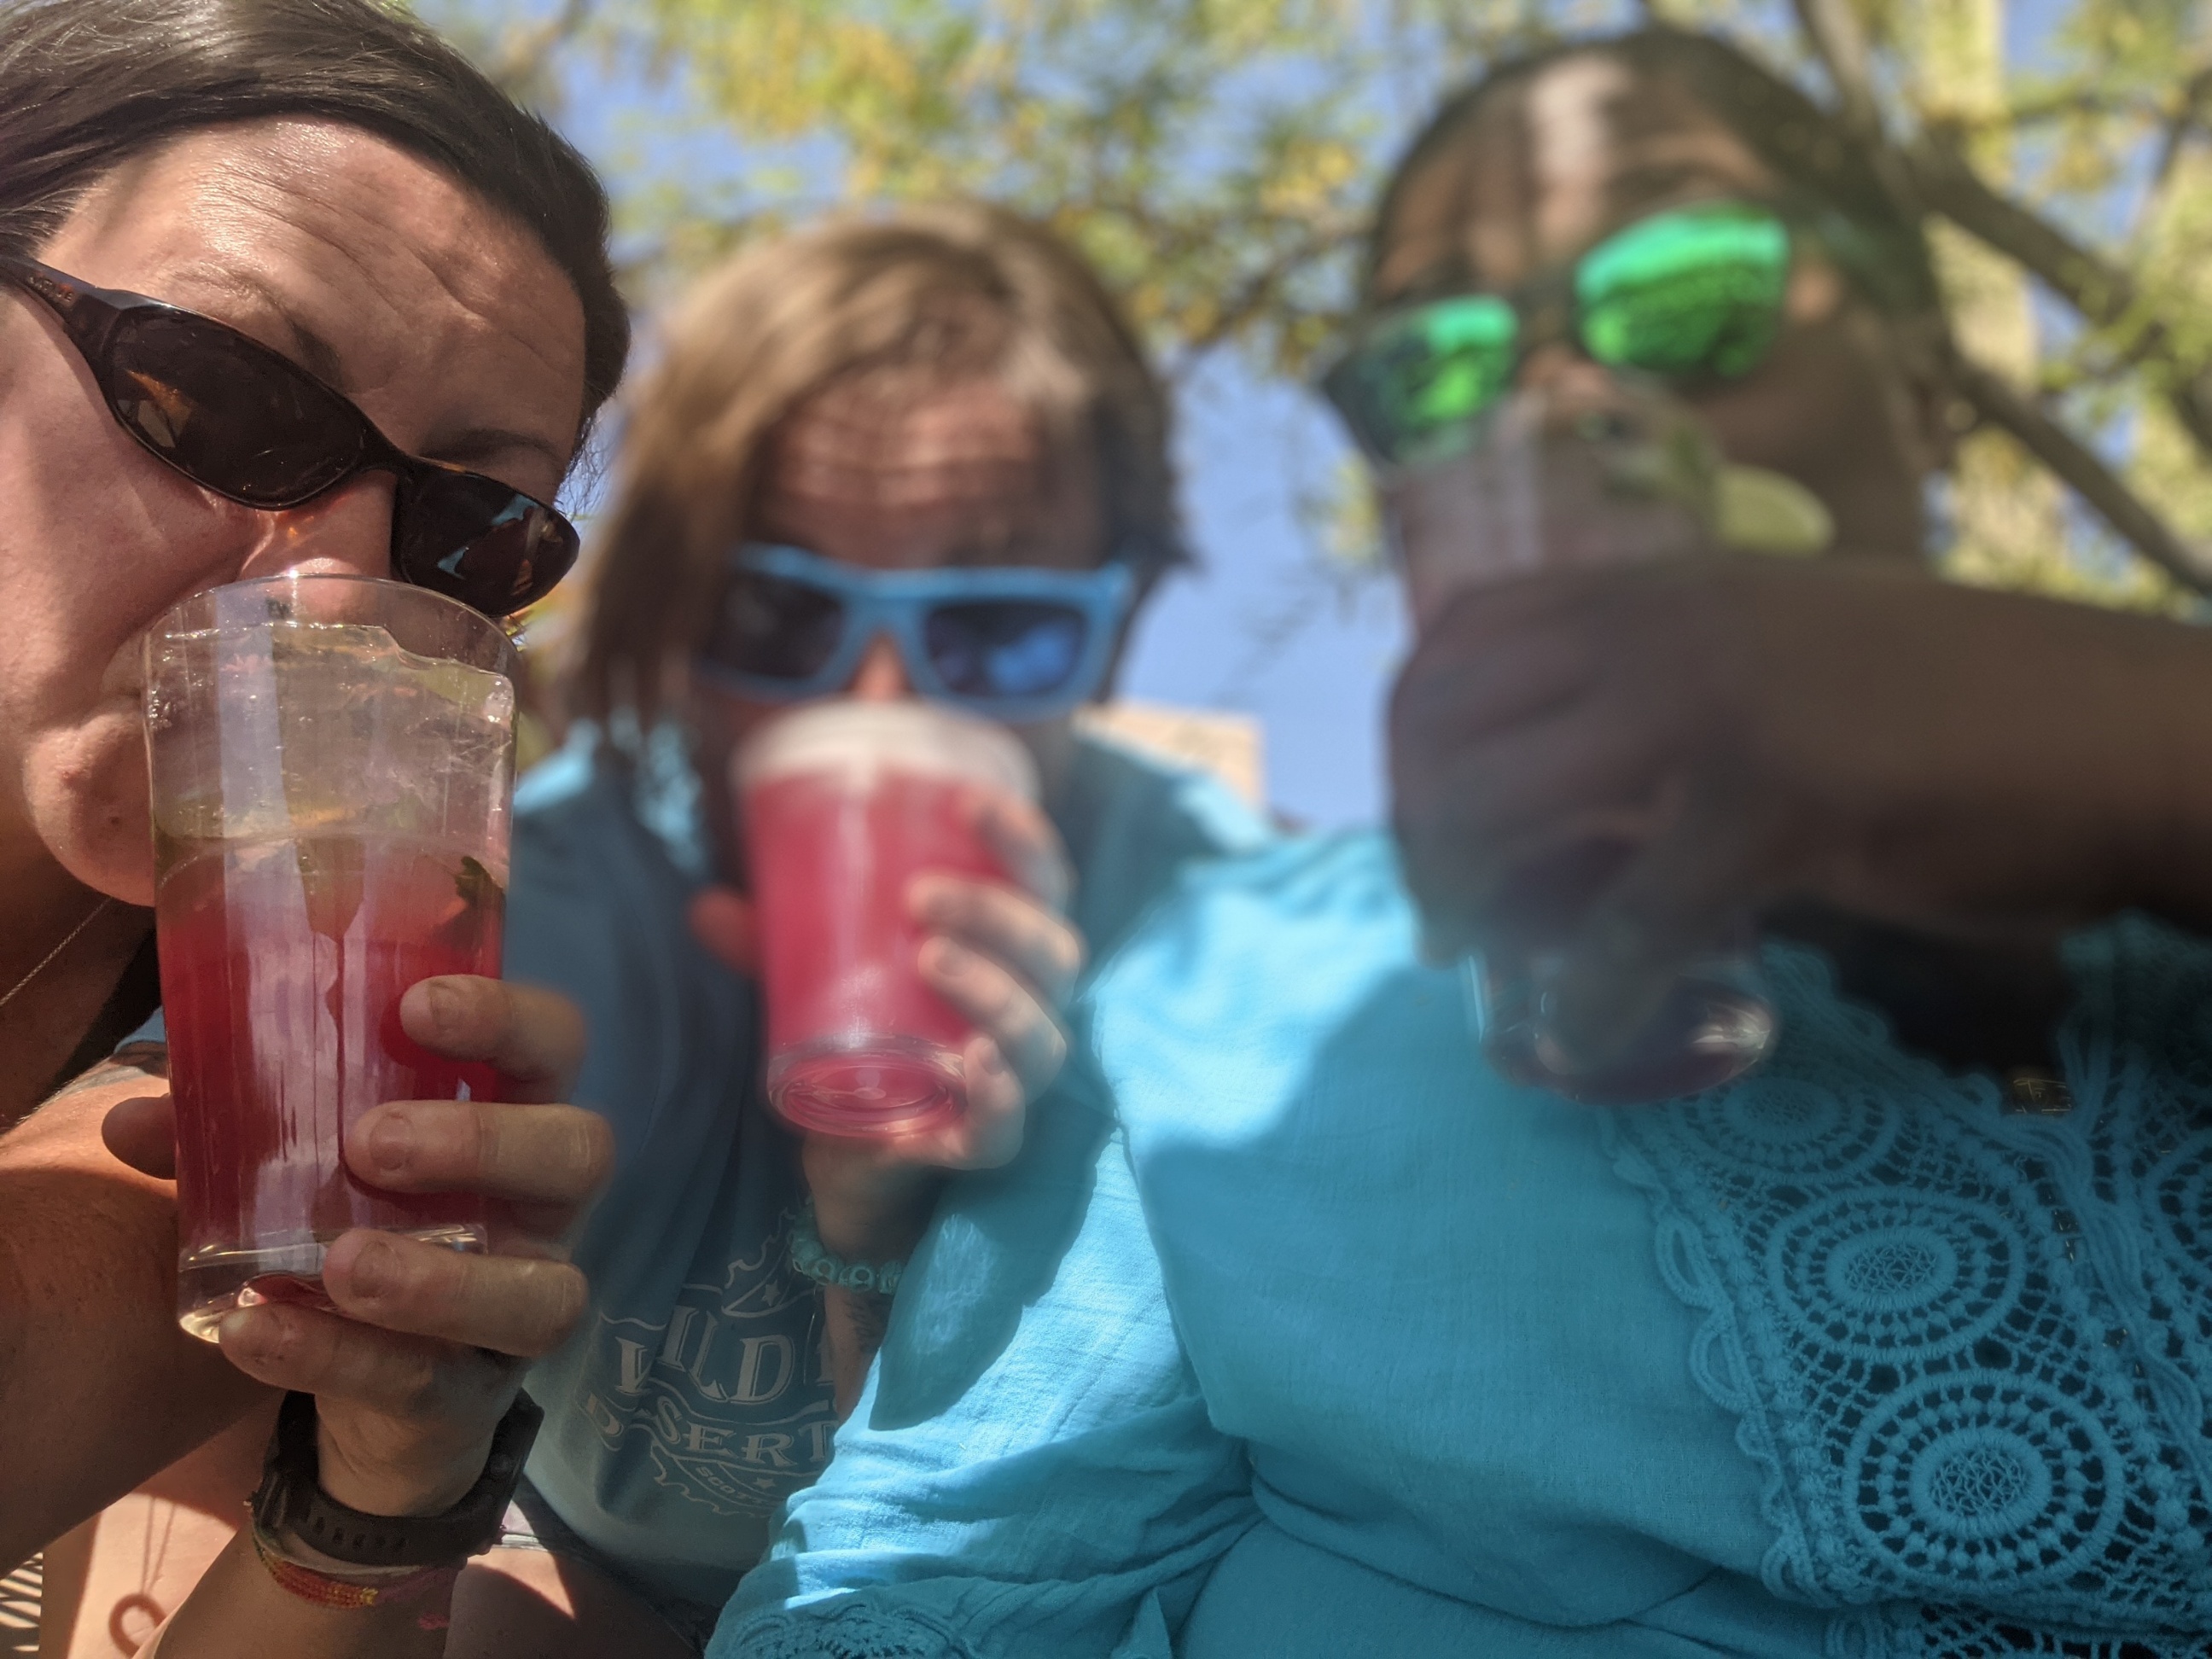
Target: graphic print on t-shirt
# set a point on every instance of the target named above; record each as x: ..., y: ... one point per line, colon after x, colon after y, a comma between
x: 729, y: 1390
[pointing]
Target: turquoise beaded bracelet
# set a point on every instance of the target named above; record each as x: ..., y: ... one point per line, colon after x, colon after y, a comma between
x: 817, y: 1263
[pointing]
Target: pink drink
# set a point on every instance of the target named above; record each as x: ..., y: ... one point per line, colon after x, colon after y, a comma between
x: 281, y: 969
x: 844, y: 805
x: 331, y: 760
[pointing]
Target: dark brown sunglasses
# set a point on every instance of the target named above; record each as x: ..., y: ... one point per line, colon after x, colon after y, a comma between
x: 255, y: 428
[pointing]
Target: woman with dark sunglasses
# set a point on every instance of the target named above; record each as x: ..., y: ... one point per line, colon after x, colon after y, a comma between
x: 284, y: 284
x: 1896, y: 1347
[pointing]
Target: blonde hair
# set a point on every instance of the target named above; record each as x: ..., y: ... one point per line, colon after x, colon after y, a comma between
x: 957, y: 289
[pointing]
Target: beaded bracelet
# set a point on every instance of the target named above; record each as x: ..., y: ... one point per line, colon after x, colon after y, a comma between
x: 810, y: 1258
x: 375, y: 1587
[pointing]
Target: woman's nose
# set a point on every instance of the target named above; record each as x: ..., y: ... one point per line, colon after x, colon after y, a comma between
x: 882, y: 676
x: 346, y: 532
x: 1558, y: 368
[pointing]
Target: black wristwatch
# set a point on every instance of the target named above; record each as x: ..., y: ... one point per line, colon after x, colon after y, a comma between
x: 291, y: 1504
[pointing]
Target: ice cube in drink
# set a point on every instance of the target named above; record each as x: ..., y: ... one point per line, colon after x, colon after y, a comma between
x: 331, y: 813
x: 844, y: 804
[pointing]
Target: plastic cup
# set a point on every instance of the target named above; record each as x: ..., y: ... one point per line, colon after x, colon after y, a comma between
x: 332, y: 759
x: 1614, y: 476
x: 843, y: 804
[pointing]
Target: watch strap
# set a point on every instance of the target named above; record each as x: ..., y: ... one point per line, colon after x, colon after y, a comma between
x: 291, y: 1504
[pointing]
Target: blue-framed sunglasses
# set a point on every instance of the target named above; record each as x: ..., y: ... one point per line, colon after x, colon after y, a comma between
x: 1015, y: 643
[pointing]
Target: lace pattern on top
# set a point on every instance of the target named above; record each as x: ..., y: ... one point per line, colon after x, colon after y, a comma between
x: 1968, y: 1350
x: 847, y: 1628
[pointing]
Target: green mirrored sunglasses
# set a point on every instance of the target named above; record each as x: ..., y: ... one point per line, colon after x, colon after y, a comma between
x: 1692, y: 292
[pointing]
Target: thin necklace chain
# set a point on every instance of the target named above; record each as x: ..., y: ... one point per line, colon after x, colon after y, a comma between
x: 48, y: 960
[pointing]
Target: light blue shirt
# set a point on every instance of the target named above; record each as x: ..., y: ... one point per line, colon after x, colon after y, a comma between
x: 1338, y: 1346
x: 696, y: 1396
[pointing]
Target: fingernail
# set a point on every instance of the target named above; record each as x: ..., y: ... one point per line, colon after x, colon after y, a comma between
x: 251, y: 1332
x: 992, y: 1061
x: 374, y: 1268
x: 391, y: 1143
x: 447, y: 1010
x: 947, y: 958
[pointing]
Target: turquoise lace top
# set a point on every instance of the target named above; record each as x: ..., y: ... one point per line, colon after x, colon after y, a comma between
x: 1335, y: 1344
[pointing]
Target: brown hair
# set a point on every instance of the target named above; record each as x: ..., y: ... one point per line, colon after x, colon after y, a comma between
x: 1805, y: 147
x: 86, y: 84
x: 958, y: 288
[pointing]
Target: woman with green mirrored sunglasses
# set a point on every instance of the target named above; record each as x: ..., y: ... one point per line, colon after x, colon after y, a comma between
x: 1691, y: 292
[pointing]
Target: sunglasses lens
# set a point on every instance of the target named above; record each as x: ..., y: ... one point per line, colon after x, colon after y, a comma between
x: 245, y: 425
x: 776, y: 627
x: 1698, y: 289
x: 1423, y: 376
x: 1006, y: 647
x: 473, y: 539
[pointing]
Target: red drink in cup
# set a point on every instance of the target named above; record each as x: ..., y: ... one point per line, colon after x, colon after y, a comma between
x: 844, y: 805
x: 332, y: 766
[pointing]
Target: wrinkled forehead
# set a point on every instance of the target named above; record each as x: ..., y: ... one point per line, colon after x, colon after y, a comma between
x: 1547, y: 164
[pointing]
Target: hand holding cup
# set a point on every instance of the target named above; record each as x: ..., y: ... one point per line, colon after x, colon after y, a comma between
x: 427, y: 1346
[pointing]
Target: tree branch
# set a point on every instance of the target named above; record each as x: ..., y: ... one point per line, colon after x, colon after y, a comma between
x: 1841, y: 46
x: 2179, y: 122
x: 1252, y: 297
x: 2077, y: 466
x: 2105, y: 295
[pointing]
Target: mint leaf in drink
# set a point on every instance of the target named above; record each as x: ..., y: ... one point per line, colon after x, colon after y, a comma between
x: 479, y: 908
x: 479, y: 889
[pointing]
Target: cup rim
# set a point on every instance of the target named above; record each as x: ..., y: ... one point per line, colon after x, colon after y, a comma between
x: 509, y: 655
x: 911, y: 735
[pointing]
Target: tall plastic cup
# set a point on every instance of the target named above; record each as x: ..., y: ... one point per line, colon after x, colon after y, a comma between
x: 844, y: 804
x: 1618, y: 476
x: 332, y: 760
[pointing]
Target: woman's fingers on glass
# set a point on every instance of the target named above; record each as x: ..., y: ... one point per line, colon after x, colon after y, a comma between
x: 311, y: 1351
x: 533, y: 1037
x: 546, y: 1154
x: 1022, y: 838
x: 990, y: 1133
x: 1012, y: 927
x: 141, y: 1132
x: 1000, y: 1006
x: 724, y: 920
x: 517, y: 1305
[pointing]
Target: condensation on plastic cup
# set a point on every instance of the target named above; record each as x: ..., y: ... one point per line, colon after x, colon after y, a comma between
x: 843, y: 804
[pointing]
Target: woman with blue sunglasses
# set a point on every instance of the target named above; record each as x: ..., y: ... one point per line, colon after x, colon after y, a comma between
x: 918, y: 456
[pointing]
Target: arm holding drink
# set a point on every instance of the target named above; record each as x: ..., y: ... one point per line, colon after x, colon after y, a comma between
x: 967, y: 896
x: 377, y: 1185
x: 1955, y: 762
x: 422, y: 1350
